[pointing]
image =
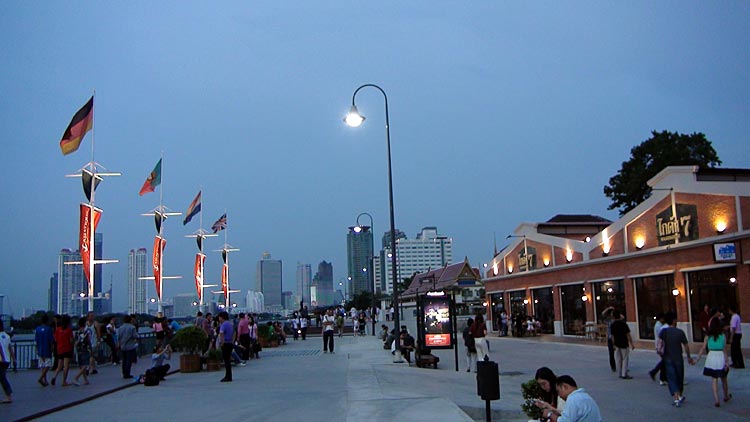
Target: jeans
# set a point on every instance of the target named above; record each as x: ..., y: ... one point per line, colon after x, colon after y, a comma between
x: 737, y: 360
x: 328, y: 341
x: 660, y: 369
x: 128, y: 357
x: 226, y: 354
x: 4, y: 379
x: 622, y: 359
x: 611, y: 349
x: 675, y: 375
x: 245, y: 343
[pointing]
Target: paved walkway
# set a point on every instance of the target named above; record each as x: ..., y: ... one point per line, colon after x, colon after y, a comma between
x: 360, y: 382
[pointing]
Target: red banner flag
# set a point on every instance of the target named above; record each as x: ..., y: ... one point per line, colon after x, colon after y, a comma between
x: 89, y: 220
x: 159, y: 245
x: 198, y: 271
x: 225, y: 281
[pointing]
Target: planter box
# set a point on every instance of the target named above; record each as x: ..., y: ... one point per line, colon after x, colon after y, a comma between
x: 190, y: 363
x: 212, y: 366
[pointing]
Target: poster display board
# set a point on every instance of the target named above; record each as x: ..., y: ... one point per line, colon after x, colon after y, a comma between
x: 436, y: 322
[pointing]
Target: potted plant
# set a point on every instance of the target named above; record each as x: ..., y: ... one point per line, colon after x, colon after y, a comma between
x: 531, y: 390
x: 213, y: 360
x: 267, y: 337
x: 190, y: 341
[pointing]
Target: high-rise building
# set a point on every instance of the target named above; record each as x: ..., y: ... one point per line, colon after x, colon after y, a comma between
x: 268, y: 280
x: 52, y: 293
x: 428, y: 250
x: 137, y: 287
x: 185, y: 304
x: 359, y: 258
x: 71, y: 284
x: 288, y: 299
x: 304, y: 278
x: 323, y: 283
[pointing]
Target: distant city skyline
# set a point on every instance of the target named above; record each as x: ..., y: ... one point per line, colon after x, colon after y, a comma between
x: 499, y: 113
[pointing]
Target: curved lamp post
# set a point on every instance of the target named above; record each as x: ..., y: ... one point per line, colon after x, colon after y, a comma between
x: 355, y: 119
x: 371, y: 277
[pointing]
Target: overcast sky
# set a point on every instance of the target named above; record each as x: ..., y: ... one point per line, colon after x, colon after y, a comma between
x: 500, y: 113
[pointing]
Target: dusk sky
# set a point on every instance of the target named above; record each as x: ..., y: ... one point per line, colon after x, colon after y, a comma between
x: 500, y: 113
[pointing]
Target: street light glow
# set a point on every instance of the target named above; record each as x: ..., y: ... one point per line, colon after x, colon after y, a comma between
x: 353, y: 118
x: 357, y: 229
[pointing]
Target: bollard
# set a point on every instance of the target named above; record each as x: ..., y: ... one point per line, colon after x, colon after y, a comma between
x: 488, y: 383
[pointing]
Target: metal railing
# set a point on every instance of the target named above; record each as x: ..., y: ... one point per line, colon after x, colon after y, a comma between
x: 26, y: 356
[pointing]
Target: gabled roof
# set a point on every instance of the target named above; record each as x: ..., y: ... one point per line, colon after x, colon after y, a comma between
x: 577, y: 219
x: 446, y: 278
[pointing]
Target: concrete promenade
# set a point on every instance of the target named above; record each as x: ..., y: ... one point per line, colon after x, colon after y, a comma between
x: 360, y: 382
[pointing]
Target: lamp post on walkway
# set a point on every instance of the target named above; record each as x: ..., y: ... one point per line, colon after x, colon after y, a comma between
x: 354, y: 119
x: 369, y: 273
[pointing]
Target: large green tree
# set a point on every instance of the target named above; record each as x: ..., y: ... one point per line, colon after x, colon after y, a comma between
x: 628, y: 187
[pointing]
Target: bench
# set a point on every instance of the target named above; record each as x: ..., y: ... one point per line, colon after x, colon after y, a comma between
x: 424, y: 358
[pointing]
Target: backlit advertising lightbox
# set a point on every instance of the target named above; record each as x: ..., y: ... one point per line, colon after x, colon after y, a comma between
x: 436, y: 320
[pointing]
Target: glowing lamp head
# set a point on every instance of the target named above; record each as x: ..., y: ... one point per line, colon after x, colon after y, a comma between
x: 584, y: 298
x: 675, y: 292
x: 510, y: 269
x: 640, y: 242
x: 546, y: 261
x: 353, y: 118
x: 357, y: 229
x: 733, y: 280
x: 568, y: 255
x: 721, y: 226
x: 494, y: 268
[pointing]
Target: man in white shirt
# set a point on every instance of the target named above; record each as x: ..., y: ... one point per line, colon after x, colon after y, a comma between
x: 7, y: 357
x: 329, y: 321
x: 579, y: 406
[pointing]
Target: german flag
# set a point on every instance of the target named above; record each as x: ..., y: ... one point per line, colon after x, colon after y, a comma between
x: 78, y: 127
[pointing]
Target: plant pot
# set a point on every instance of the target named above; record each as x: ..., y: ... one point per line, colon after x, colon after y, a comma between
x: 212, y: 366
x: 190, y: 363
x: 273, y: 343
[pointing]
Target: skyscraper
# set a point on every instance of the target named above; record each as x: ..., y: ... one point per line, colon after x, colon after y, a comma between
x: 268, y: 280
x: 52, y: 293
x: 359, y: 258
x: 323, y: 283
x: 428, y: 250
x: 137, y: 288
x: 304, y: 277
x: 71, y: 284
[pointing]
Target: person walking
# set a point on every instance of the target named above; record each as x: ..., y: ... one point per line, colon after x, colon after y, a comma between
x: 717, y: 362
x: 110, y: 339
x: 95, y: 341
x: 303, y: 322
x: 623, y: 343
x: 243, y: 335
x: 127, y: 335
x: 471, y: 350
x: 735, y: 338
x: 479, y: 332
x: 7, y: 357
x: 252, y: 329
x: 674, y: 340
x: 83, y: 352
x: 64, y: 348
x: 503, y: 324
x: 659, y: 365
x: 329, y: 321
x: 607, y: 319
x: 226, y: 335
x: 45, y: 342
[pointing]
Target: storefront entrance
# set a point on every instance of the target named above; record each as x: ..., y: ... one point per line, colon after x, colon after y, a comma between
x: 606, y: 294
x: 573, y: 309
x: 498, y: 306
x: 544, y: 309
x: 712, y: 288
x: 653, y: 296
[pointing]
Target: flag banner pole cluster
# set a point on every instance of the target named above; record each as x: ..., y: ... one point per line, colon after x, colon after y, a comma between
x: 200, y: 259
x: 225, y: 282
x: 159, y: 245
x: 87, y: 226
x: 152, y: 181
x: 193, y: 209
x: 81, y: 123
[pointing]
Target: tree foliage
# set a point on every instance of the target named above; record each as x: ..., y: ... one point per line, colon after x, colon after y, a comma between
x: 628, y: 187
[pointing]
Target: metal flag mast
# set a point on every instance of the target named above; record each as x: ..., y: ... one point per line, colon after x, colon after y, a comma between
x: 226, y: 248
x: 160, y: 214
x: 200, y: 258
x: 91, y: 175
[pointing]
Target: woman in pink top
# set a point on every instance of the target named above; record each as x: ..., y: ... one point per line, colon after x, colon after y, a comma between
x: 243, y: 335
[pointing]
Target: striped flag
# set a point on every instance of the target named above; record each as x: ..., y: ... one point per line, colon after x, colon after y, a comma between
x: 193, y: 209
x: 81, y: 123
x: 220, y: 224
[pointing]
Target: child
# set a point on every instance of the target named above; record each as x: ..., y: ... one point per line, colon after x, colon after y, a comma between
x: 83, y: 347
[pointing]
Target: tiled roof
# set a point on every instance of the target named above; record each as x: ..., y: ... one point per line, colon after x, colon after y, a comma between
x: 445, y: 278
x: 577, y: 218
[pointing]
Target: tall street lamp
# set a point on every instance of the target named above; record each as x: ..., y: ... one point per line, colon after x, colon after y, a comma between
x: 371, y: 276
x: 355, y: 119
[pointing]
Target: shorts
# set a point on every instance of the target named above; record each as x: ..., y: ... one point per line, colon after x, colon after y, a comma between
x: 83, y: 358
x: 45, y: 362
x: 68, y: 355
